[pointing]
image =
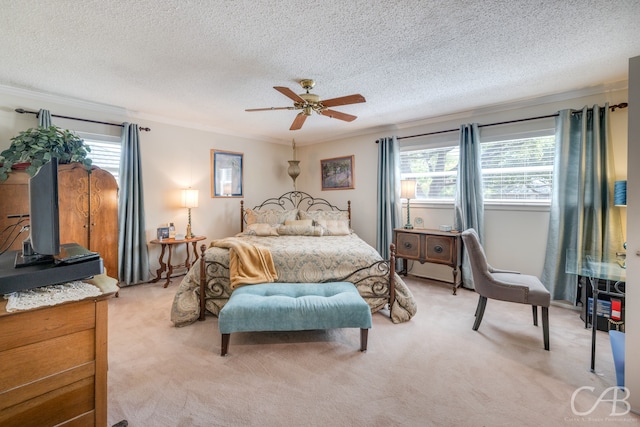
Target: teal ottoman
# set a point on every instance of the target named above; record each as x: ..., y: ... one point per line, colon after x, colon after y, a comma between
x: 294, y: 307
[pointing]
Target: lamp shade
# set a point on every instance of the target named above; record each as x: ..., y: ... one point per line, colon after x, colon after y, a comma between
x: 408, y: 189
x: 189, y: 198
x: 620, y: 193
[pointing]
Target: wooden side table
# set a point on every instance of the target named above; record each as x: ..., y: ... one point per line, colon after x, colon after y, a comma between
x: 424, y: 245
x: 168, y: 267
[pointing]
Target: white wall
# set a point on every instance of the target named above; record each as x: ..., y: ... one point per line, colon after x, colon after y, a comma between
x: 363, y: 197
x: 173, y: 157
x: 632, y: 344
x: 177, y: 156
x: 515, y: 238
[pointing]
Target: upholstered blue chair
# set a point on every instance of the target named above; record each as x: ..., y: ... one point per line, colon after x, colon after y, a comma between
x: 504, y: 285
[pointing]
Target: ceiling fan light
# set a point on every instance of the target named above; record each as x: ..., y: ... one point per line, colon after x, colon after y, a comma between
x: 311, y: 98
x: 310, y: 102
x: 307, y: 84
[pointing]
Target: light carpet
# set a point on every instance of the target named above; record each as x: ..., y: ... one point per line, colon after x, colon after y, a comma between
x: 431, y: 371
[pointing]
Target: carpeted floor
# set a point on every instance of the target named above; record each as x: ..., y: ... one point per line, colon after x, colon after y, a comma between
x: 432, y: 371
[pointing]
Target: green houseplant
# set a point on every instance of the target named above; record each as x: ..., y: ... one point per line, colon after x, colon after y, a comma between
x: 36, y: 146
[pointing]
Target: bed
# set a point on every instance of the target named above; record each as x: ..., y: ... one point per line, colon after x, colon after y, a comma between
x: 310, y: 241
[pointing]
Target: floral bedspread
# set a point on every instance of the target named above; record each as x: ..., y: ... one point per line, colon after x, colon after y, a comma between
x: 298, y: 259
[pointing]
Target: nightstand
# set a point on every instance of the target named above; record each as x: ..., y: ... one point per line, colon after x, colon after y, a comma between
x: 167, y: 267
x: 432, y: 246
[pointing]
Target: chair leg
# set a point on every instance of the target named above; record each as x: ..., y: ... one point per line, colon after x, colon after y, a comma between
x: 482, y: 303
x: 535, y: 315
x: 545, y: 327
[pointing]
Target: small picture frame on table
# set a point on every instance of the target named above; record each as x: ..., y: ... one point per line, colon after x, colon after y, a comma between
x: 226, y: 174
x: 338, y: 173
x: 163, y: 233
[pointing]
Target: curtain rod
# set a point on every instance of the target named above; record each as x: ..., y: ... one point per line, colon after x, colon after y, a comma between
x: 23, y: 111
x: 612, y: 108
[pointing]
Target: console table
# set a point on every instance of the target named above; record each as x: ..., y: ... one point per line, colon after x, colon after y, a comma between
x: 425, y: 245
x: 168, y: 267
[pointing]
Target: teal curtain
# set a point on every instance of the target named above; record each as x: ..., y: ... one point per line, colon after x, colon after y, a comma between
x: 469, y: 200
x: 388, y: 199
x: 133, y: 257
x: 582, y: 218
x: 44, y: 118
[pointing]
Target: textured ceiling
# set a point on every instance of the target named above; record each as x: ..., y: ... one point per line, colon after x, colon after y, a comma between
x: 204, y: 62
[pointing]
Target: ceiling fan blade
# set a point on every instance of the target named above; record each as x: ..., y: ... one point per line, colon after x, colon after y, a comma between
x: 338, y: 115
x: 343, y: 100
x: 298, y: 121
x: 289, y: 93
x: 270, y: 108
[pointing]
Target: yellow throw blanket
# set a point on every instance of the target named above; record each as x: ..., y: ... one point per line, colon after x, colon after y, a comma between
x: 248, y: 263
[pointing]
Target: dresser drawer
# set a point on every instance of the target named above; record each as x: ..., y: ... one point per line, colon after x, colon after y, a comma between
x: 408, y: 245
x: 33, y: 326
x: 439, y: 249
x: 44, y: 359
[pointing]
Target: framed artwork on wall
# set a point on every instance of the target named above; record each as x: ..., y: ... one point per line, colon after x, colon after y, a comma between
x: 226, y: 174
x: 338, y: 173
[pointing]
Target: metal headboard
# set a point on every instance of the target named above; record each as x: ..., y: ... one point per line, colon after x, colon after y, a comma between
x: 294, y: 200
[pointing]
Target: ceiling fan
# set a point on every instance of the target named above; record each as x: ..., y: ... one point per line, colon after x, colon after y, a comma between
x: 310, y: 102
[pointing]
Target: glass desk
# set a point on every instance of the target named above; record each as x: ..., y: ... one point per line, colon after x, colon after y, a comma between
x: 594, y: 268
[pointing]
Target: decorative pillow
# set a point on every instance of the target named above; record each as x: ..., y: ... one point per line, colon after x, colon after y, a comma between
x: 270, y: 216
x: 324, y: 215
x: 334, y: 227
x: 261, y: 229
x: 300, y: 230
x: 299, y: 222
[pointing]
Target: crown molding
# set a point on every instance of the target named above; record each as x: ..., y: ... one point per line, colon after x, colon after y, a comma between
x: 489, y: 109
x: 63, y: 100
x: 206, y: 128
x: 121, y: 111
x: 519, y: 104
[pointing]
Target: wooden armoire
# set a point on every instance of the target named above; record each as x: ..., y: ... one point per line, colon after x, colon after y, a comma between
x: 88, y: 206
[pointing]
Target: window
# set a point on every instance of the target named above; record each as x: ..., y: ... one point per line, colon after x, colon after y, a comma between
x: 520, y: 169
x: 105, y: 152
x: 513, y: 170
x: 434, y: 169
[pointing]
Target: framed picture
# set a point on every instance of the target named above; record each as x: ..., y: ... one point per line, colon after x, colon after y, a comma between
x: 226, y: 174
x: 163, y: 233
x: 338, y: 173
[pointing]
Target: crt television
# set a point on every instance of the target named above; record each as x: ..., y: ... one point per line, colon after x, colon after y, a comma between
x: 44, y: 239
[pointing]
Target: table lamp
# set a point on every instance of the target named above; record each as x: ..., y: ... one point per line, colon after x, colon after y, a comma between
x: 408, y: 191
x: 189, y: 200
x: 620, y: 193
x: 620, y: 199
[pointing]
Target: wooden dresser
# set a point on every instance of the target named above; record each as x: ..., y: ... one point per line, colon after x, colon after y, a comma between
x: 54, y: 362
x: 88, y: 204
x: 425, y: 245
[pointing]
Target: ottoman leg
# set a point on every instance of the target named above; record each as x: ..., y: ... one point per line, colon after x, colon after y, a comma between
x: 364, y: 333
x: 225, y: 344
